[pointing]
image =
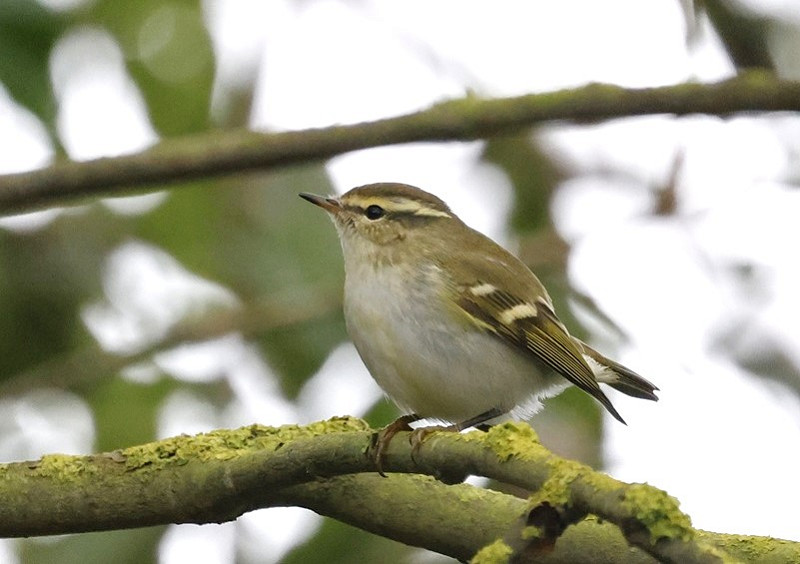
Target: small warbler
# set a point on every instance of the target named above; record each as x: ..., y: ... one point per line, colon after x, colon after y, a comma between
x: 451, y: 325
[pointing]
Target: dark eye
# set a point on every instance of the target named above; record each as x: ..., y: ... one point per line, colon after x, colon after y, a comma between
x: 374, y: 212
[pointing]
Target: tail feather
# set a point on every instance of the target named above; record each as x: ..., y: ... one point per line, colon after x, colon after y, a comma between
x: 618, y: 376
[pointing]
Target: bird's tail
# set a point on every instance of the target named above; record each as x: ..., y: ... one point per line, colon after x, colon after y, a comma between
x: 617, y: 376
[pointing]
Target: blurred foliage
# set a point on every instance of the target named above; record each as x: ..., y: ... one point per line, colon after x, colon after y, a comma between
x: 46, y: 276
x: 343, y: 544
x: 744, y: 33
x: 127, y: 547
x: 249, y: 234
x: 128, y: 422
x: 28, y: 32
x: 534, y: 176
x: 168, y: 52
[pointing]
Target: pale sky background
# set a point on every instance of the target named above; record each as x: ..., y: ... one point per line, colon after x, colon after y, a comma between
x: 720, y: 441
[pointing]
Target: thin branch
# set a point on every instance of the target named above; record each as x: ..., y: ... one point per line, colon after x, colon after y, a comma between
x: 226, y: 152
x: 256, y: 466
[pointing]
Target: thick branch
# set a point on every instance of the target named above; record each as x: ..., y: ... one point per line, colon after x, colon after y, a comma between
x: 454, y: 520
x: 218, y: 153
x: 238, y: 471
x: 411, y: 507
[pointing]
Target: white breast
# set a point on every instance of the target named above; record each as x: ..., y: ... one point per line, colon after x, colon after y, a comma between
x: 426, y: 361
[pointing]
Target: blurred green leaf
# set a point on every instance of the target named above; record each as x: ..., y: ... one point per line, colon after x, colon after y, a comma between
x: 297, y: 253
x: 125, y: 412
x: 136, y: 546
x: 343, y: 544
x: 255, y: 235
x: 744, y: 33
x: 46, y: 276
x: 169, y: 54
x: 533, y: 176
x: 28, y: 32
x: 298, y: 352
x: 383, y: 412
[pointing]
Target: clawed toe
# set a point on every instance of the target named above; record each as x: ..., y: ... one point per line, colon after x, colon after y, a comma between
x: 420, y: 434
x: 381, y: 439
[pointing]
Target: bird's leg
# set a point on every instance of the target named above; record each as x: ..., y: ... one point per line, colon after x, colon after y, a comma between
x: 381, y: 439
x: 418, y: 435
x: 479, y: 420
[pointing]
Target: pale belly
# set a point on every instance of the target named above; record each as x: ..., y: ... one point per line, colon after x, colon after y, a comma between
x: 435, y: 367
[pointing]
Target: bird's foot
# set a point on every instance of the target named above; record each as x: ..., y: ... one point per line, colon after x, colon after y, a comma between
x: 419, y: 435
x: 381, y: 439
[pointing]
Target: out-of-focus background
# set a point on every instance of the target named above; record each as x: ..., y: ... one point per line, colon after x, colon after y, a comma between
x: 669, y: 243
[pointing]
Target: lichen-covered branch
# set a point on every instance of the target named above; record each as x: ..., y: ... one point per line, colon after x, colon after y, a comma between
x: 455, y: 520
x: 215, y: 477
x: 224, y: 152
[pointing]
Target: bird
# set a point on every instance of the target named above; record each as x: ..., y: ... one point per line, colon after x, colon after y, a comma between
x: 452, y: 326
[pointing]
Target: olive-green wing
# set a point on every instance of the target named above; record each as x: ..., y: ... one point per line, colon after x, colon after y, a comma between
x: 531, y: 325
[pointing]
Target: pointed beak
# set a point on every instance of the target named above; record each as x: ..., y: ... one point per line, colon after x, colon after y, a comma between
x: 330, y: 205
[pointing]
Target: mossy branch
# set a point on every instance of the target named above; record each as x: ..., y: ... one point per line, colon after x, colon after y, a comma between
x: 216, y: 477
x: 225, y: 152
